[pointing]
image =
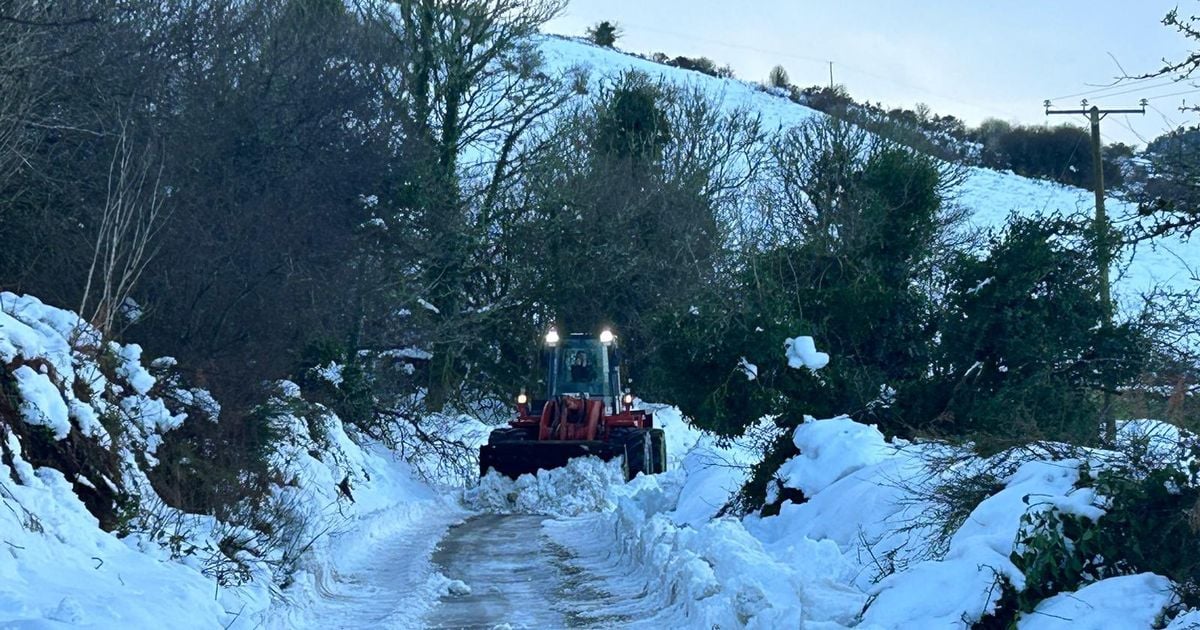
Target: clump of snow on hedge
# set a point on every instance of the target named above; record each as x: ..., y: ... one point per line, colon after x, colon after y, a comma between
x: 41, y: 402
x: 802, y: 352
x: 130, y: 368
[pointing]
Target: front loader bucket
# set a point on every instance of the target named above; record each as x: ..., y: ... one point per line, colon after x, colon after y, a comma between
x: 513, y: 459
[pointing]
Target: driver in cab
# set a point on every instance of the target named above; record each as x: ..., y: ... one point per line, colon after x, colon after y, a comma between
x: 581, y: 369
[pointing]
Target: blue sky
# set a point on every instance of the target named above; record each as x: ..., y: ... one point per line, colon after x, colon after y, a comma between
x: 970, y: 58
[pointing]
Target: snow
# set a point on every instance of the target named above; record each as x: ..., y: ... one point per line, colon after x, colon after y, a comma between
x: 830, y: 450
x: 331, y: 373
x: 131, y: 368
x: 131, y: 310
x: 584, y: 485
x: 57, y: 566
x: 850, y: 549
x: 407, y: 353
x: 41, y: 402
x: 1127, y: 602
x: 854, y: 553
x: 447, y: 587
x: 854, y: 547
x: 962, y: 585
x: 802, y: 352
x: 748, y: 368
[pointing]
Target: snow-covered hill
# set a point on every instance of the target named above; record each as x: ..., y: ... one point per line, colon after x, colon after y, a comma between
x: 990, y: 195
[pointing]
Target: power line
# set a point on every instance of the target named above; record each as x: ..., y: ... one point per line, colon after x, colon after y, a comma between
x: 1114, y: 86
x: 1139, y: 89
x: 1192, y: 91
x: 1125, y: 123
x: 1166, y: 119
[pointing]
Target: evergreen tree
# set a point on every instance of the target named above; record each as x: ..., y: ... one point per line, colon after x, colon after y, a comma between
x: 604, y: 34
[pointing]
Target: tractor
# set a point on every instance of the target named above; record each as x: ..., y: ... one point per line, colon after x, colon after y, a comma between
x: 584, y: 413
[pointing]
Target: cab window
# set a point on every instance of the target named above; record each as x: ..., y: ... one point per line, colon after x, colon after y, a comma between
x: 582, y: 370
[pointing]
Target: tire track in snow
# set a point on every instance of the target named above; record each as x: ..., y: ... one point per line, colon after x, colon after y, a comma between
x: 520, y: 578
x: 387, y: 582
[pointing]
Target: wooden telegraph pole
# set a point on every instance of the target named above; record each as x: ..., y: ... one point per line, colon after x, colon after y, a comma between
x: 1103, y: 240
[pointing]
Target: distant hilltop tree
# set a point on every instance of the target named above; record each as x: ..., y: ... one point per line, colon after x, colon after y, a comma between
x: 604, y: 33
x: 778, y: 77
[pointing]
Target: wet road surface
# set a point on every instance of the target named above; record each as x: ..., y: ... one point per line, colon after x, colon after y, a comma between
x: 518, y: 578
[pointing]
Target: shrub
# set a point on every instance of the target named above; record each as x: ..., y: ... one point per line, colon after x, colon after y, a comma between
x: 778, y: 77
x: 1150, y: 493
x: 1022, y: 353
x: 701, y: 64
x: 604, y: 33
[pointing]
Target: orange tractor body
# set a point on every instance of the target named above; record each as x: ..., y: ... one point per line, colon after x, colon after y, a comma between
x: 583, y: 414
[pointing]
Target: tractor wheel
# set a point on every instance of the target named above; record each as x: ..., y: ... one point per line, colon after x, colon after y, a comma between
x: 658, y: 451
x: 638, y: 455
x: 509, y: 434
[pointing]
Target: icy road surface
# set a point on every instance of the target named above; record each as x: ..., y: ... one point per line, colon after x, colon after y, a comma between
x: 516, y: 576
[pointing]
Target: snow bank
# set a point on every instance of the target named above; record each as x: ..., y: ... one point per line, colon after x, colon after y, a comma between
x: 59, y: 566
x: 1128, y: 602
x: 673, y: 571
x: 862, y: 549
x: 963, y: 584
x: 585, y: 484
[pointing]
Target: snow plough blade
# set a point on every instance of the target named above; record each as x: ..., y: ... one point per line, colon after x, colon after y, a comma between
x: 513, y: 459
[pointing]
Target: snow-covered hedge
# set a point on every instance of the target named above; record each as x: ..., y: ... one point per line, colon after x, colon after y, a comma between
x: 864, y: 547
x: 85, y: 538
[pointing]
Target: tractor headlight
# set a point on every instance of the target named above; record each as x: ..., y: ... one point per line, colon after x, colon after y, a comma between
x: 627, y: 399
x: 552, y: 337
x: 606, y: 336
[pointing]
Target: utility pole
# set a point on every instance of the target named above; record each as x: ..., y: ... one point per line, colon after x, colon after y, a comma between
x: 1103, y: 238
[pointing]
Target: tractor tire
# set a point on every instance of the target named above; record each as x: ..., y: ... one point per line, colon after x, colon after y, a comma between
x: 658, y: 451
x: 509, y: 434
x: 638, y: 454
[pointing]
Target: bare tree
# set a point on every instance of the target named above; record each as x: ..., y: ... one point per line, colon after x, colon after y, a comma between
x: 21, y: 84
x: 1169, y: 195
x: 1183, y: 69
x: 132, y: 216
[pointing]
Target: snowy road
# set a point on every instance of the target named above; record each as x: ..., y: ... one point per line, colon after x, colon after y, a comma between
x: 517, y: 576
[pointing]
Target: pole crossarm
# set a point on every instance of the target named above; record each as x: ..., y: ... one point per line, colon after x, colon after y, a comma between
x: 1085, y: 112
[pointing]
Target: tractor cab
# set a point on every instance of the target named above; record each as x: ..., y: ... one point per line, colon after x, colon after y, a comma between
x: 584, y: 366
x: 584, y: 413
